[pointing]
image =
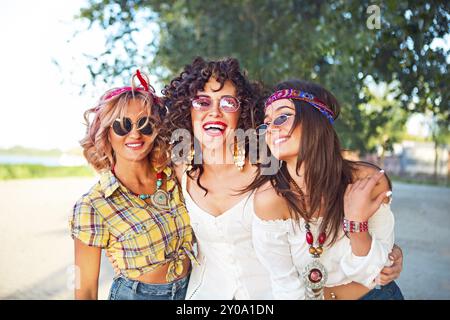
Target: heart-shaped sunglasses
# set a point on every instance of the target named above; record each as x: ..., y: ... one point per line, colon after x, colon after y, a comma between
x: 226, y: 103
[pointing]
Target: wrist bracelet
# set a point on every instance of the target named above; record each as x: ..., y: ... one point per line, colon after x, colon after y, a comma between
x: 353, y: 226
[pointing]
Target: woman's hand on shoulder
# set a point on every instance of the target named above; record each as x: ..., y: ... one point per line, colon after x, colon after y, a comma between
x: 269, y: 205
x: 364, y: 196
x: 392, y: 273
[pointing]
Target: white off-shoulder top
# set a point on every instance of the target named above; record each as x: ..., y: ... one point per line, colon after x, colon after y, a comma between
x: 281, y: 247
x: 229, y: 268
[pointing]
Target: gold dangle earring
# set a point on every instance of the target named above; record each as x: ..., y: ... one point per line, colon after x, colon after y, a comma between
x: 239, y: 155
x: 190, y: 157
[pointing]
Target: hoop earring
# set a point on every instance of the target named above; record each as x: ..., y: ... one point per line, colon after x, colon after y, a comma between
x: 190, y: 157
x: 239, y: 155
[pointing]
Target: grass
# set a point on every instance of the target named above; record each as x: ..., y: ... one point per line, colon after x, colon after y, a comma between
x: 32, y: 171
x: 35, y: 171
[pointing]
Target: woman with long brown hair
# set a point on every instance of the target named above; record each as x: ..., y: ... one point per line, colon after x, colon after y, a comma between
x: 321, y: 220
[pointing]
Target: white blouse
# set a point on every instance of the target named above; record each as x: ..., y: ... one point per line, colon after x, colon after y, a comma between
x: 229, y: 268
x: 282, y: 248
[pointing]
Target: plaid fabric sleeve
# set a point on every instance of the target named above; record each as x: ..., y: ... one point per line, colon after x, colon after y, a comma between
x: 87, y: 225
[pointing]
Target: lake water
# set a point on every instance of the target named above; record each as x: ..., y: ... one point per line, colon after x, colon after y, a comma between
x: 63, y: 160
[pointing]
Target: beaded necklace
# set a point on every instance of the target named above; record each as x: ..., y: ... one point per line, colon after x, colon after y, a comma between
x: 314, y: 274
x: 160, y: 198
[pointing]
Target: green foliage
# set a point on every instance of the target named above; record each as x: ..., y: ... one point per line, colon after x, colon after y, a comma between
x: 28, y: 171
x: 326, y: 42
x: 440, y: 129
x: 385, y: 119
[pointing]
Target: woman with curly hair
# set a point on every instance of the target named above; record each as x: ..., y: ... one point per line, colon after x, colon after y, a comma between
x: 211, y: 100
x: 135, y: 211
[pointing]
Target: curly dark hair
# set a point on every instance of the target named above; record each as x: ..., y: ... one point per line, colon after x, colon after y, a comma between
x: 183, y: 88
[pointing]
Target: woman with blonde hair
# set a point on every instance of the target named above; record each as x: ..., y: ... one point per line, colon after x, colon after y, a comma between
x: 135, y: 211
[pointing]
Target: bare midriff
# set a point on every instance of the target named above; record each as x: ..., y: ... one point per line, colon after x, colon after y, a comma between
x: 158, y: 275
x: 350, y: 291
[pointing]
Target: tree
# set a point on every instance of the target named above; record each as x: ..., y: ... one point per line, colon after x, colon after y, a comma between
x: 440, y: 134
x: 385, y: 124
x: 327, y: 42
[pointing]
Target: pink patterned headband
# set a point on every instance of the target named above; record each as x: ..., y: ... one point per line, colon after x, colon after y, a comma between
x: 121, y: 90
x: 145, y: 88
x: 303, y: 96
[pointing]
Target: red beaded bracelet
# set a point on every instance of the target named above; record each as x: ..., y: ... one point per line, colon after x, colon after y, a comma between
x: 353, y: 226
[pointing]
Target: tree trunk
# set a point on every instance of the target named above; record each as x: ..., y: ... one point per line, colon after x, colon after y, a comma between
x: 382, y: 157
x: 435, y: 173
x: 448, y: 168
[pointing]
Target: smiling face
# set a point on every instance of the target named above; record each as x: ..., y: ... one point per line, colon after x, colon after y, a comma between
x: 213, y: 125
x: 134, y: 146
x: 283, y: 144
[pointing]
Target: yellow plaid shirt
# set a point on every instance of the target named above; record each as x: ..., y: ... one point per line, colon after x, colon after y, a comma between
x: 139, y: 236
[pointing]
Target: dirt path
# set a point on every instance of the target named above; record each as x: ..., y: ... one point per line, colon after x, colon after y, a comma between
x: 423, y: 231
x: 37, y: 256
x: 37, y: 252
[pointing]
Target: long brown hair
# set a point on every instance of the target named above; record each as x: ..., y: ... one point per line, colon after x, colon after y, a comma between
x: 326, y: 172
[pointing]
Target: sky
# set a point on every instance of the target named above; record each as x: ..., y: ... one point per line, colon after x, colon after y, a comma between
x: 38, y: 108
x: 41, y: 105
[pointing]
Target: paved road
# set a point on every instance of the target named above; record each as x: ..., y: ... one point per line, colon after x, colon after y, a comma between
x: 423, y: 231
x: 37, y: 252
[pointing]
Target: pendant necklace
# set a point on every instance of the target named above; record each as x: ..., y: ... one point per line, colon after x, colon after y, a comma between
x: 160, y: 198
x: 314, y: 274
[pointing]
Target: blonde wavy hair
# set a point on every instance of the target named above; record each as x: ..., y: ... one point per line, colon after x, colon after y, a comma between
x: 96, y: 146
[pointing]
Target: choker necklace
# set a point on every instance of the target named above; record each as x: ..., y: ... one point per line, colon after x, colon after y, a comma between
x: 314, y: 274
x: 160, y: 198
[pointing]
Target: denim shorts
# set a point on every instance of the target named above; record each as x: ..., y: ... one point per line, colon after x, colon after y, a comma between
x: 127, y: 289
x: 388, y: 292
